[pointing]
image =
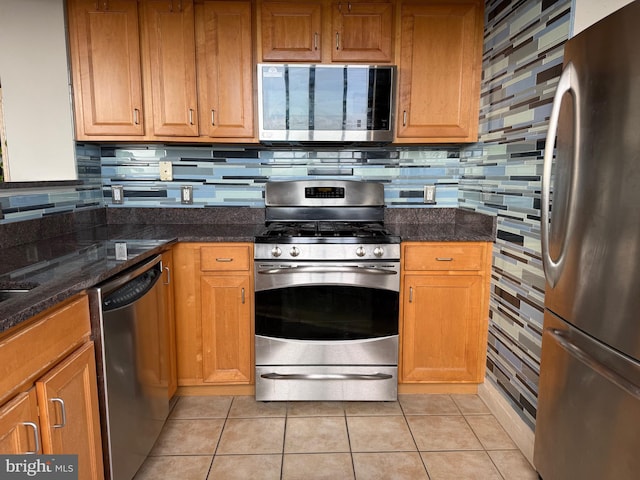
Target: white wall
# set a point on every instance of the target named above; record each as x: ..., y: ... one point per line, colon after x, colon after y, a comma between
x: 35, y: 90
x: 588, y: 12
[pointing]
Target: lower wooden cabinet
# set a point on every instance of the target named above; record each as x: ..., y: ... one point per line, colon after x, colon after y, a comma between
x: 19, y: 425
x: 69, y: 415
x: 49, y: 388
x: 445, y: 289
x: 214, y: 313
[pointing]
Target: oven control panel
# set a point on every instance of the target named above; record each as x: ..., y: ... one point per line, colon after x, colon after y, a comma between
x: 339, y: 252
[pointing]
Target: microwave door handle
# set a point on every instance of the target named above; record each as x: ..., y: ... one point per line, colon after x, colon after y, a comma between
x: 568, y: 83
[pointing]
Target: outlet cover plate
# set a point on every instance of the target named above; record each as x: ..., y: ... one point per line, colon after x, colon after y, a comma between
x: 430, y: 194
x: 166, y: 171
x: 117, y: 194
x: 186, y: 194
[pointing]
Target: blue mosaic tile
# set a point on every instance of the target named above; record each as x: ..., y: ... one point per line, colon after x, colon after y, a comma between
x: 501, y: 176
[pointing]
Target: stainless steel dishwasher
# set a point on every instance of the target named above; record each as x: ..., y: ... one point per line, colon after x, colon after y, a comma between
x: 133, y: 365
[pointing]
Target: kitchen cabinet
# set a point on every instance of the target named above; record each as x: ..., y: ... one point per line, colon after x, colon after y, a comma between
x: 50, y: 394
x: 291, y: 31
x: 19, y: 425
x: 225, y: 69
x: 104, y: 51
x: 439, y: 63
x: 68, y: 406
x: 169, y: 61
x: 214, y: 313
x: 444, y: 312
x: 167, y: 308
x: 362, y: 32
x: 326, y: 31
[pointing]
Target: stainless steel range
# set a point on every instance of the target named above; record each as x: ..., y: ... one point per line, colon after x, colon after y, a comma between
x: 327, y: 281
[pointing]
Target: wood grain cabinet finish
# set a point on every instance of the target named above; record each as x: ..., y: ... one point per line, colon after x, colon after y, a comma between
x: 291, y: 31
x: 225, y: 69
x: 169, y: 61
x: 445, y: 290
x: 48, y: 385
x: 439, y: 61
x: 325, y: 31
x: 185, y: 74
x: 105, y: 64
x: 20, y: 426
x: 69, y: 415
x: 362, y: 32
x: 214, y: 313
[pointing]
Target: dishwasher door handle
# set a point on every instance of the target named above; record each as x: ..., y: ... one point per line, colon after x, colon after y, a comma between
x: 326, y: 376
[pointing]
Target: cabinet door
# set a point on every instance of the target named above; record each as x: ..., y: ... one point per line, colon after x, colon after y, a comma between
x: 439, y: 72
x: 19, y: 425
x: 69, y: 415
x: 226, y: 328
x: 105, y: 63
x: 362, y: 32
x: 225, y: 68
x: 170, y: 370
x: 170, y: 65
x: 291, y: 31
x: 443, y: 328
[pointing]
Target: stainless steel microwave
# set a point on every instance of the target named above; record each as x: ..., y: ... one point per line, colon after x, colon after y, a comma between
x: 326, y: 103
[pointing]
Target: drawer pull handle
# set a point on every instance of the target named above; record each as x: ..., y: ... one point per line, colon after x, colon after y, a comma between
x: 63, y: 411
x: 444, y: 259
x: 227, y: 260
x: 35, y: 436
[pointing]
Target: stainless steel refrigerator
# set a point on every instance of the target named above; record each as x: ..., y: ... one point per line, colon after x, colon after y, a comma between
x: 588, y: 418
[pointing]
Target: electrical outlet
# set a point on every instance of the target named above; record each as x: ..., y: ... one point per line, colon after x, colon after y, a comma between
x: 117, y: 194
x: 430, y: 194
x: 186, y: 194
x: 166, y: 171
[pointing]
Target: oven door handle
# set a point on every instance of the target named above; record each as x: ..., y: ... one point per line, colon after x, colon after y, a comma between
x: 326, y: 376
x: 323, y: 269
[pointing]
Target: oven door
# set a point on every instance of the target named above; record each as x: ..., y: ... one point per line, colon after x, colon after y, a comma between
x: 320, y: 301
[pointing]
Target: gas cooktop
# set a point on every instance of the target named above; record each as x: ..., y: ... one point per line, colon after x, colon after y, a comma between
x: 326, y: 232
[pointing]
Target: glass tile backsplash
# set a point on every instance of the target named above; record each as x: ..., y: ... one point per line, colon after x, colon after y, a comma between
x: 233, y: 176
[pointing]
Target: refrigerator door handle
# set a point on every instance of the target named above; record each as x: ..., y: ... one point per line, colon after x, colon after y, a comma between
x: 568, y: 83
x: 589, y: 361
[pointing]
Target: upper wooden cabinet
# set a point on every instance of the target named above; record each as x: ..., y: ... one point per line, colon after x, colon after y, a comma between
x: 169, y: 60
x: 186, y: 75
x: 439, y: 61
x: 325, y: 31
x: 362, y: 32
x: 225, y: 69
x: 291, y: 31
x: 105, y: 64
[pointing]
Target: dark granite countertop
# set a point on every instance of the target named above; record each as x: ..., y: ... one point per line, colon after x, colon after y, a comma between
x: 57, y: 268
x: 63, y: 263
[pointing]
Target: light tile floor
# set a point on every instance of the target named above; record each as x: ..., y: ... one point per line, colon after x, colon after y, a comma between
x: 432, y: 437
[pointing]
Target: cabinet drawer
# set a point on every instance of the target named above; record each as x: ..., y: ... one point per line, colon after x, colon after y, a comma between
x: 449, y: 256
x: 34, y: 348
x: 225, y: 258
